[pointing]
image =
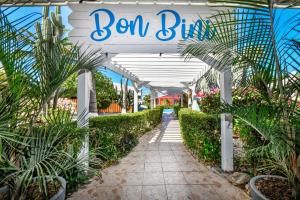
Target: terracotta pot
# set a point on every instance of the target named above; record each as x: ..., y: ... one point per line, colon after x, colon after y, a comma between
x: 255, y: 193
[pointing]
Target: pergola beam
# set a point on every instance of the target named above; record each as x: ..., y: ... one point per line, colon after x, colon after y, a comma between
x: 164, y: 64
x: 128, y: 2
x: 122, y: 71
x: 158, y: 59
x: 163, y: 67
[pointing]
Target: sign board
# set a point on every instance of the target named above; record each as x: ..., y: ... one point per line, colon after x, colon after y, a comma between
x: 137, y: 28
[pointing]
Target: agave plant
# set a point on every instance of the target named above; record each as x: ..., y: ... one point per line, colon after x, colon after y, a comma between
x: 258, y: 42
x: 33, y: 146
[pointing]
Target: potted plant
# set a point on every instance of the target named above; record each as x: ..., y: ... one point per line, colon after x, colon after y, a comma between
x: 38, y: 143
x: 258, y: 42
x: 258, y: 191
x: 56, y: 189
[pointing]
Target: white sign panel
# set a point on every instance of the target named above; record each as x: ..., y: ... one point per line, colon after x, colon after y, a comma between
x: 137, y: 28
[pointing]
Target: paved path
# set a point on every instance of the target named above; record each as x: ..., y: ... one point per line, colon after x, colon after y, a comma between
x: 160, y: 168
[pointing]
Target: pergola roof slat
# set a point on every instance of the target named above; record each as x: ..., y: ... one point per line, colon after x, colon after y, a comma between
x: 162, y: 71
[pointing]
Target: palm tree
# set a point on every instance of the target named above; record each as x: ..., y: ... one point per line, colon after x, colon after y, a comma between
x: 32, y: 145
x: 251, y: 40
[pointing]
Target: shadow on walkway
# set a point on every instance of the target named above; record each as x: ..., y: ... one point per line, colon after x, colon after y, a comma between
x: 160, y: 168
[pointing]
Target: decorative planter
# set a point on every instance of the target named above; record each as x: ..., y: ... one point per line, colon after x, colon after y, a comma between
x: 61, y: 194
x: 4, y: 192
x: 255, y: 193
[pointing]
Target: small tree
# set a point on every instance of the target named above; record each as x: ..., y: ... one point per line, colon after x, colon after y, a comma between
x: 104, y: 87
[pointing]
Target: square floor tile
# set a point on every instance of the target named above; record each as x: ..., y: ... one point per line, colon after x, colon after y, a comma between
x: 133, y: 178
x: 179, y: 192
x: 171, y: 167
x: 154, y: 158
x: 181, y: 153
x: 153, y: 178
x: 197, y: 178
x: 174, y: 178
x: 131, y: 193
x: 112, y: 179
x: 166, y: 153
x: 150, y: 154
x: 134, y: 167
x: 153, y: 167
x: 192, y: 166
x: 152, y: 147
x: 164, y: 147
x: 103, y: 193
x: 203, y: 192
x: 157, y: 192
x: 184, y: 158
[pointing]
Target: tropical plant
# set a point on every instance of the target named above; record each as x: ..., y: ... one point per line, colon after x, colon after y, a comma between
x: 259, y: 41
x: 147, y: 100
x: 123, y: 98
x: 50, y: 31
x: 105, y: 91
x: 32, y: 146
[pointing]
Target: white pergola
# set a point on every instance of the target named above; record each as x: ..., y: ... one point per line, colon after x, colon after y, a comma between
x: 151, y: 63
x: 168, y: 74
x: 165, y: 73
x: 160, y: 71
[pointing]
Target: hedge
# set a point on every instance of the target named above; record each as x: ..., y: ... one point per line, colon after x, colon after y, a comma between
x: 201, y: 133
x: 176, y: 109
x: 111, y: 137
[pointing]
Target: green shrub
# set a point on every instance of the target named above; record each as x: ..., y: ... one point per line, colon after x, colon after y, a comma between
x: 176, y: 109
x: 211, y: 103
x: 201, y: 134
x: 112, y: 137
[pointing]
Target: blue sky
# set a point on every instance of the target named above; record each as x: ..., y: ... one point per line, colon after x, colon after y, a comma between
x: 115, y: 77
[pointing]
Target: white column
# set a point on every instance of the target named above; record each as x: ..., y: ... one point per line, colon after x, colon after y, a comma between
x: 135, y: 97
x: 154, y: 99
x: 226, y: 122
x: 151, y: 99
x: 83, y: 100
x: 195, y: 105
x: 190, y: 100
x: 181, y: 100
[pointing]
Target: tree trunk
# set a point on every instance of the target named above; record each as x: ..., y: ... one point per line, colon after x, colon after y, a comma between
x: 55, y: 99
x: 45, y: 109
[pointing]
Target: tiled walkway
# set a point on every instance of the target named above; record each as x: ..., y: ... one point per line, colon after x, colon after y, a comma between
x: 160, y: 168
